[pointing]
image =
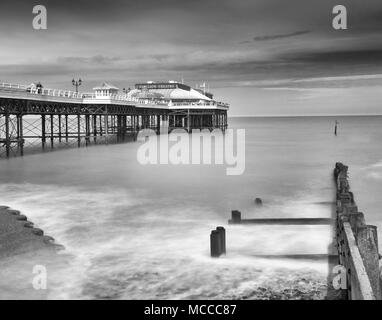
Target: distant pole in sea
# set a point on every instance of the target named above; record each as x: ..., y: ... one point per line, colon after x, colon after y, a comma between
x: 335, y: 128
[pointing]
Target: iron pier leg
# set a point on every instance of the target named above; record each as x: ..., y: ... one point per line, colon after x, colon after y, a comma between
x: 100, y: 125
x: 66, y: 129
x: 79, y: 130
x: 7, y: 137
x: 43, y: 133
x: 20, y: 134
x: 95, y: 128
x: 158, y: 124
x: 106, y: 129
x: 87, y: 125
x: 59, y: 128
x: 52, y: 131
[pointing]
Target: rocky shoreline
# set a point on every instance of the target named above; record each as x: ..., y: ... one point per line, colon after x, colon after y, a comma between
x: 18, y: 235
x: 23, y: 247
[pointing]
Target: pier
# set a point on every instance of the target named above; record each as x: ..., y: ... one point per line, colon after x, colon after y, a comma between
x: 32, y: 117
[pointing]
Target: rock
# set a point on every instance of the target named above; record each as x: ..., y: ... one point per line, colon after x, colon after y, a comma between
x: 14, y: 212
x: 59, y: 247
x: 21, y: 218
x: 48, y: 239
x: 28, y: 224
x: 38, y: 232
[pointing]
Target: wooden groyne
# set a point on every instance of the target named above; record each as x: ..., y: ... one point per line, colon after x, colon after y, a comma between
x: 353, y: 258
x: 283, y: 221
x: 357, y: 244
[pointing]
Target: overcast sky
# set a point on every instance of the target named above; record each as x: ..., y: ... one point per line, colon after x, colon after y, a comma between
x: 265, y: 57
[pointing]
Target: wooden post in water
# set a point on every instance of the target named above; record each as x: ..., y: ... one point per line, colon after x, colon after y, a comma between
x: 236, y: 216
x: 222, y: 236
x: 215, y: 244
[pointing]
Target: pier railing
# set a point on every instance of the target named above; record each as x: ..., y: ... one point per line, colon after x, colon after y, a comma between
x: 357, y: 243
x: 12, y: 86
x: 28, y: 90
x: 203, y: 104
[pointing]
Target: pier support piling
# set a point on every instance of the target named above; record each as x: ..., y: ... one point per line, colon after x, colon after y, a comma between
x: 52, y: 131
x: 79, y: 130
x: 43, y: 133
x: 59, y: 129
x: 66, y: 129
x: 7, y: 134
x: 20, y: 134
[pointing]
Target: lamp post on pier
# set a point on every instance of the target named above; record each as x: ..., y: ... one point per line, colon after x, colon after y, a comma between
x: 76, y: 84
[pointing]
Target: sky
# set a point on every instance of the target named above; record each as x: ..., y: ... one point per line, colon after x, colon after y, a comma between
x: 264, y: 57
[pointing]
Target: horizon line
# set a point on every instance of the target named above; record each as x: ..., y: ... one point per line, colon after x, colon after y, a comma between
x: 306, y: 115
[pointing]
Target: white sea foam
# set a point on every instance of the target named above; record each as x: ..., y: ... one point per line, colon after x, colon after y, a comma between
x: 118, y: 250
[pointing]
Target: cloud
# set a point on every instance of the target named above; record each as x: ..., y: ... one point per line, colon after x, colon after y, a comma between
x: 372, y: 56
x: 343, y: 78
x: 98, y: 59
x: 280, y: 36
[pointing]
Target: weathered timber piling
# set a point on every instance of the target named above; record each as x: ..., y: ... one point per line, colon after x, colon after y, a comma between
x: 215, y: 244
x: 258, y: 202
x: 236, y: 217
x: 221, y: 231
x: 357, y: 243
x: 286, y: 221
x: 218, y: 242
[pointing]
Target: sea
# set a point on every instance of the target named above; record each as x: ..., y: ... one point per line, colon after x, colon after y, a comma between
x: 134, y: 231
